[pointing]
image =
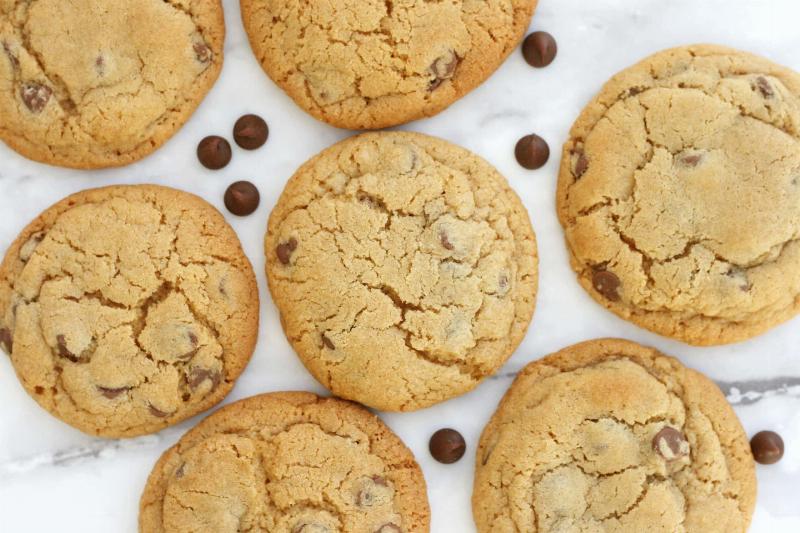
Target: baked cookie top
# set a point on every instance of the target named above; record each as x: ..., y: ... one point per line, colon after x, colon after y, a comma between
x: 369, y: 64
x: 287, y: 463
x: 108, y: 84
x: 128, y: 309
x: 404, y: 269
x: 679, y: 194
x: 608, y: 435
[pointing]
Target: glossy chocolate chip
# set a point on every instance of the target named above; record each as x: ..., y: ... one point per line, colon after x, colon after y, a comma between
x: 112, y: 392
x: 447, y: 446
x: 767, y: 447
x: 539, y: 49
x: 606, y: 283
x: 250, y: 132
x: 242, y: 198
x: 35, y: 96
x: 532, y: 152
x: 6, y: 340
x: 214, y: 152
x: 670, y: 444
x: 285, y: 249
x: 764, y: 87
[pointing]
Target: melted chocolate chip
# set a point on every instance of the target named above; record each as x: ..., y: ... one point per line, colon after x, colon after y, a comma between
x: 581, y: 163
x: 202, y: 52
x: 214, y: 152
x: 691, y: 160
x: 670, y: 444
x: 633, y: 91
x: 285, y: 249
x: 157, y: 412
x: 327, y: 342
x: 35, y: 96
x: 11, y: 56
x: 63, y: 351
x: 764, y: 87
x: 389, y: 528
x: 250, y: 132
x: 447, y: 446
x: 539, y: 49
x: 767, y: 447
x: 443, y: 69
x: 110, y: 392
x: 606, y: 283
x: 6, y: 340
x: 179, y: 473
x: 446, y: 244
x: 38, y: 389
x: 100, y: 65
x: 199, y: 375
x: 311, y: 528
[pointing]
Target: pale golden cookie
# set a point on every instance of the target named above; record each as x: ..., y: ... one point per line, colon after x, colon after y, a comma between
x: 94, y: 84
x: 610, y: 436
x: 288, y: 462
x: 404, y: 269
x: 128, y: 309
x: 679, y: 194
x: 369, y: 64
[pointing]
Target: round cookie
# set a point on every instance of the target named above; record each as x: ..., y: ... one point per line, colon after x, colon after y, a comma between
x: 370, y: 64
x: 404, y: 269
x: 128, y: 309
x: 679, y: 194
x: 287, y: 462
x: 608, y: 435
x: 108, y: 84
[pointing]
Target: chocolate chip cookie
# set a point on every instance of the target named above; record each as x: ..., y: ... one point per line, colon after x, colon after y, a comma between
x: 609, y: 435
x: 287, y: 463
x: 110, y: 82
x: 369, y: 64
x: 128, y: 309
x: 404, y: 269
x: 679, y: 194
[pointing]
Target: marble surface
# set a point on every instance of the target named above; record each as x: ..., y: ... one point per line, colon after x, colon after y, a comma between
x: 54, y: 478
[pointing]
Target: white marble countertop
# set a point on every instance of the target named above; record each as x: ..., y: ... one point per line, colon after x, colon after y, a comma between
x: 53, y: 478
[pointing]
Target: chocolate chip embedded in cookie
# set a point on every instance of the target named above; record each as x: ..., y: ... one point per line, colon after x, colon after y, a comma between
x: 608, y: 435
x: 689, y: 228
x: 287, y: 463
x: 110, y: 82
x: 393, y: 63
x: 404, y: 269
x: 128, y: 309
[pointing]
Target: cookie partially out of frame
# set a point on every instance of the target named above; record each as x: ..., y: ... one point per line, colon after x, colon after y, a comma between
x: 679, y: 194
x: 287, y: 462
x: 608, y: 435
x: 370, y: 64
x: 96, y: 84
x: 128, y: 309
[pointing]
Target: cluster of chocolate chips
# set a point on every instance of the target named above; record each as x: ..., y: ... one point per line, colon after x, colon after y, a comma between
x: 539, y: 50
x: 214, y: 152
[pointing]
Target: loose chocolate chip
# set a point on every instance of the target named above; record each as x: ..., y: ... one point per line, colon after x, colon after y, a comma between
x: 447, y: 446
x: 532, y: 152
x: 214, y: 152
x: 767, y: 447
x: 443, y: 69
x: 35, y: 95
x: 111, y: 393
x: 327, y: 342
x: 6, y: 340
x: 242, y: 198
x: 539, y: 49
x: 446, y: 244
x: 157, y: 412
x: 764, y: 87
x: 63, y: 351
x: 202, y: 52
x: 285, y: 249
x: 607, y: 284
x: 581, y: 163
x: 199, y: 375
x: 671, y: 444
x: 250, y: 132
x: 389, y: 528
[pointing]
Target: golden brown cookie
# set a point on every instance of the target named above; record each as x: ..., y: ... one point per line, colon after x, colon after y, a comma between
x: 128, y: 309
x: 608, y: 435
x: 288, y: 462
x: 369, y: 64
x: 679, y: 194
x: 404, y: 269
x: 109, y: 82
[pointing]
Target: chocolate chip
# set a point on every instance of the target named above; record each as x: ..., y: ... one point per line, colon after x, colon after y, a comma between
x: 607, y: 284
x: 27, y: 249
x: 285, y: 249
x: 581, y: 163
x: 199, y: 375
x: 250, y: 132
x: 443, y: 69
x: 502, y: 283
x: 157, y: 412
x: 100, y: 65
x: 633, y: 91
x: 447, y: 446
x: 11, y: 56
x: 389, y: 528
x: 242, y: 198
x: 691, y: 160
x: 6, y: 340
x: 539, y: 49
x: 767, y: 447
x: 327, y: 342
x: 532, y: 152
x: 670, y: 444
x: 111, y: 393
x: 446, y: 244
x: 764, y: 87
x: 311, y: 528
x: 35, y: 95
x: 63, y: 351
x: 181, y: 471
x: 214, y: 152
x: 38, y: 389
x: 202, y: 52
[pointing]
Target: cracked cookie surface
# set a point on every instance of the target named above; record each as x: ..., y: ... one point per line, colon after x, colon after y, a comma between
x: 369, y: 64
x: 608, y: 435
x: 287, y: 462
x: 404, y: 269
x: 108, y: 84
x: 679, y: 194
x: 128, y: 309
